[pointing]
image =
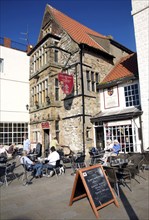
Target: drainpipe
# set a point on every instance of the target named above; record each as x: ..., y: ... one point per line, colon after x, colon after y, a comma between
x: 83, y: 103
x: 142, y: 148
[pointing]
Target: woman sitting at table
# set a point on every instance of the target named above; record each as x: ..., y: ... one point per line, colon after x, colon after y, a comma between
x: 37, y: 167
x: 111, y: 150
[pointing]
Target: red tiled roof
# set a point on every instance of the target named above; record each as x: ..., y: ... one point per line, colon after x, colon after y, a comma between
x: 127, y: 66
x: 77, y: 31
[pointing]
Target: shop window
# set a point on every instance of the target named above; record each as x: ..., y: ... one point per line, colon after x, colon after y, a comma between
x: 123, y: 134
x: 12, y: 133
x: 132, y: 95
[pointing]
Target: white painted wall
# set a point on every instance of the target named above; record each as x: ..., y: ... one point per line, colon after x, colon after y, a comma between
x: 120, y: 95
x: 140, y: 13
x: 14, y: 86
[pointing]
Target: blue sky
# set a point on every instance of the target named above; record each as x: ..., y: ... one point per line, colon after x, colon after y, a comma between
x: 108, y: 17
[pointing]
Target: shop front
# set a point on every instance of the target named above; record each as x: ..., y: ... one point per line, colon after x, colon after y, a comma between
x: 122, y: 125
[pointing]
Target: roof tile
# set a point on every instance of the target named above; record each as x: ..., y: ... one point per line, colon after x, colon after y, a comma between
x: 127, y: 66
x: 77, y: 31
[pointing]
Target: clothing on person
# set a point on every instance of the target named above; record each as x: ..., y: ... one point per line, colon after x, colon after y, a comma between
x: 109, y: 145
x: 52, y: 158
x: 3, y: 154
x: 111, y: 150
x: 37, y: 167
x: 94, y: 152
x: 26, y: 144
x: 54, y: 143
x: 2, y: 149
x: 116, y: 147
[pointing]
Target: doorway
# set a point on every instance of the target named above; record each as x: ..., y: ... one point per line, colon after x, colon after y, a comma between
x: 99, y: 138
x: 46, y: 139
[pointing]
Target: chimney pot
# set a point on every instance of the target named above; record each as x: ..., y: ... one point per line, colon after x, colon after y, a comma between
x: 7, y: 42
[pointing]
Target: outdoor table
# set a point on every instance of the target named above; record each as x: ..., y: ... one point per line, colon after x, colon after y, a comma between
x: 120, y: 163
x: 32, y: 157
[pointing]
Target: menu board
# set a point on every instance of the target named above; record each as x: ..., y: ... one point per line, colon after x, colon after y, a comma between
x: 93, y: 183
x: 98, y: 186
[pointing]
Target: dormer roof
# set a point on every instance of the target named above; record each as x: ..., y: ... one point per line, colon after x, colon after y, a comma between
x: 126, y: 67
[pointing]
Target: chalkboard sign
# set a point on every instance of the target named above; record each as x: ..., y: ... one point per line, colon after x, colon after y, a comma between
x: 92, y: 182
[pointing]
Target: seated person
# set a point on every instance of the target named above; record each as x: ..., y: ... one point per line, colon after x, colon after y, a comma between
x: 3, y: 154
x: 12, y: 149
x: 52, y: 158
x: 37, y: 167
x: 93, y: 152
x: 111, y: 150
x: 116, y: 148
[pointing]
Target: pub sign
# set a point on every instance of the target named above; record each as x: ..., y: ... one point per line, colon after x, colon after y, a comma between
x: 66, y: 82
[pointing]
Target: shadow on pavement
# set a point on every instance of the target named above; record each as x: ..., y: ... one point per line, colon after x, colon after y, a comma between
x: 130, y: 211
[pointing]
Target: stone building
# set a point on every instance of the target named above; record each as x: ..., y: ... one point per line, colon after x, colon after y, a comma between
x: 66, y: 66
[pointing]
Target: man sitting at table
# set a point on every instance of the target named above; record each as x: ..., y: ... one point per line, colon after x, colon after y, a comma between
x: 52, y: 158
x: 37, y: 167
x: 111, y: 151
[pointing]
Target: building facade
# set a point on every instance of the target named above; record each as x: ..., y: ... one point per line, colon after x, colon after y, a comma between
x: 140, y: 13
x: 14, y: 92
x: 120, y: 114
x: 68, y: 54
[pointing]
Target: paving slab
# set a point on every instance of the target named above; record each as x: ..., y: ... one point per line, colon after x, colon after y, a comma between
x: 48, y: 198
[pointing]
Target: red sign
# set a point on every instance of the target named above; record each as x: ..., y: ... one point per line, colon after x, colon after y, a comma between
x: 45, y: 125
x: 66, y: 82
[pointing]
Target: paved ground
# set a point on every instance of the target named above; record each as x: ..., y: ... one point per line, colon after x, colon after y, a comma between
x: 48, y: 198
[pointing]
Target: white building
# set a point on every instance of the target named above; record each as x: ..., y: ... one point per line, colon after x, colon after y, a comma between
x: 14, y: 92
x: 140, y: 13
x: 119, y: 116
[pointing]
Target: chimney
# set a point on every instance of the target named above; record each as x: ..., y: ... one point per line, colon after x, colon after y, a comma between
x: 7, y: 42
x: 29, y: 48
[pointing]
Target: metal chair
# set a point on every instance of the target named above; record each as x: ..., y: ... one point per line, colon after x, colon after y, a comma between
x: 27, y: 172
x: 118, y: 176
x: 59, y: 168
x: 111, y: 174
x: 7, y: 171
x: 135, y: 165
x: 145, y: 163
x: 78, y: 162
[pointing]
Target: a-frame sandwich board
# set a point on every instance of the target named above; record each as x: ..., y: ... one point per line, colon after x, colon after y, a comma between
x: 93, y: 183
